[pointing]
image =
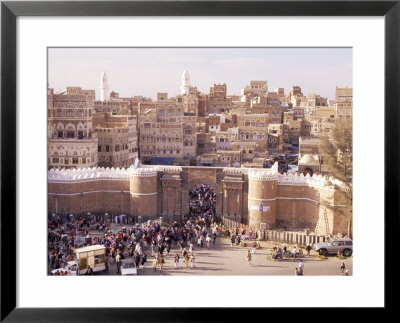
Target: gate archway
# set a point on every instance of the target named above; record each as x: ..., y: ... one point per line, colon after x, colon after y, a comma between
x: 202, y: 202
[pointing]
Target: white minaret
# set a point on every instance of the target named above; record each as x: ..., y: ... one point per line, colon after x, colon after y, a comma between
x: 185, y: 82
x: 104, y: 95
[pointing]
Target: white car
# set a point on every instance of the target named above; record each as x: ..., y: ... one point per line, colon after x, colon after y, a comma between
x: 70, y: 267
x: 128, y: 267
x: 343, y: 244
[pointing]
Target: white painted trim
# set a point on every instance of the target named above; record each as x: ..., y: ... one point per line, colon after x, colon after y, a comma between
x: 144, y: 194
x: 102, y: 191
x: 283, y: 198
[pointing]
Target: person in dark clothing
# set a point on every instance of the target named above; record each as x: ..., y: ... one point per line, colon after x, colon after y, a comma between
x: 232, y: 240
x: 144, y: 260
x: 162, y: 248
x: 137, y: 259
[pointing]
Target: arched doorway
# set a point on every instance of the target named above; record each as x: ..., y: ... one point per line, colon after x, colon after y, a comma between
x: 202, y: 202
x: 308, y: 171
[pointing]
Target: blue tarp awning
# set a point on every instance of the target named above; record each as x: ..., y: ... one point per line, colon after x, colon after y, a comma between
x: 162, y: 161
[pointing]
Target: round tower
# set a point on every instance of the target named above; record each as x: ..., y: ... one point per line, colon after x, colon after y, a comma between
x: 185, y: 82
x: 104, y: 89
x: 262, y: 198
x: 143, y: 190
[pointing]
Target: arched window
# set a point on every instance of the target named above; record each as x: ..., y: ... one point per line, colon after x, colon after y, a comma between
x: 70, y: 131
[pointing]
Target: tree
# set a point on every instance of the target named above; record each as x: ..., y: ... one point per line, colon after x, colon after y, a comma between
x: 337, y: 158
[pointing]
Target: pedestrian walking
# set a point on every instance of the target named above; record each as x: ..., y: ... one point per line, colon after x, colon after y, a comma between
x: 192, y: 262
x: 308, y: 248
x: 176, y: 261
x: 144, y: 260
x: 191, y: 248
x: 161, y: 262
x: 208, y: 240
x: 248, y: 257
x: 137, y: 259
x: 253, y: 251
x: 342, y: 267
x: 232, y: 240
x: 187, y: 260
x: 108, y: 262
x: 155, y: 264
x: 118, y: 261
x: 301, y: 267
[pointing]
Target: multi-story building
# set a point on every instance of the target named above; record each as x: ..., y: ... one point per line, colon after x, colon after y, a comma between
x: 298, y: 112
x: 218, y: 102
x: 344, y: 103
x: 202, y: 108
x: 248, y: 149
x: 275, y: 138
x: 256, y: 88
x: 273, y: 99
x: 224, y: 139
x: 280, y: 91
x: 306, y: 126
x: 312, y: 101
x: 191, y: 102
x: 117, y: 139
x: 295, y: 91
x: 165, y: 132
x: 214, y: 121
x: 204, y: 144
x: 344, y: 94
x: 291, y: 128
x: 254, y: 127
x: 319, y: 126
x: 149, y: 131
x: 325, y: 112
x: 229, y: 157
x: 189, y: 137
x: 71, y: 141
x: 114, y: 106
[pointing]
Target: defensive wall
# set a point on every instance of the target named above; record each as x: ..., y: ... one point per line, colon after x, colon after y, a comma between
x: 261, y: 198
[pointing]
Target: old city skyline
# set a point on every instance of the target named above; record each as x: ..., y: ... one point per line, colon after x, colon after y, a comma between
x: 199, y: 161
x: 136, y: 71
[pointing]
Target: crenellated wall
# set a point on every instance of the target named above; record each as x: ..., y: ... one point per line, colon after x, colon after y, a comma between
x: 249, y: 196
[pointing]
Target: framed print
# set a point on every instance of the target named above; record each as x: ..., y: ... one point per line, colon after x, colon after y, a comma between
x: 204, y: 134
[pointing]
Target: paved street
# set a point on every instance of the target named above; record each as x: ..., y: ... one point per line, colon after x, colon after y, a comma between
x: 222, y: 259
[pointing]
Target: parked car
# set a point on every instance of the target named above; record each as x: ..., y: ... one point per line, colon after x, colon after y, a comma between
x: 128, y: 267
x: 332, y: 247
x: 71, y: 267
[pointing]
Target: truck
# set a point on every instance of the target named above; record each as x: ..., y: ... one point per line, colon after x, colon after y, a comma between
x: 332, y: 247
x: 90, y: 256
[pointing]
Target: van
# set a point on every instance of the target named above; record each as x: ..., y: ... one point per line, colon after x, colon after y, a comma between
x: 93, y: 256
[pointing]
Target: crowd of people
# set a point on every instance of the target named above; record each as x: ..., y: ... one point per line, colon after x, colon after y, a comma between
x: 138, y: 242
x: 65, y: 231
x: 202, y: 202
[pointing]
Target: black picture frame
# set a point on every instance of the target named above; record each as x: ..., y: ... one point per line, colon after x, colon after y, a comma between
x: 10, y: 10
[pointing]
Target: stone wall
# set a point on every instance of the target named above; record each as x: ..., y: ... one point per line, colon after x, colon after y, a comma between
x: 287, y: 201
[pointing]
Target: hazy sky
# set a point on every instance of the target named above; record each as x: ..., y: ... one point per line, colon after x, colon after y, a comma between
x: 146, y: 71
